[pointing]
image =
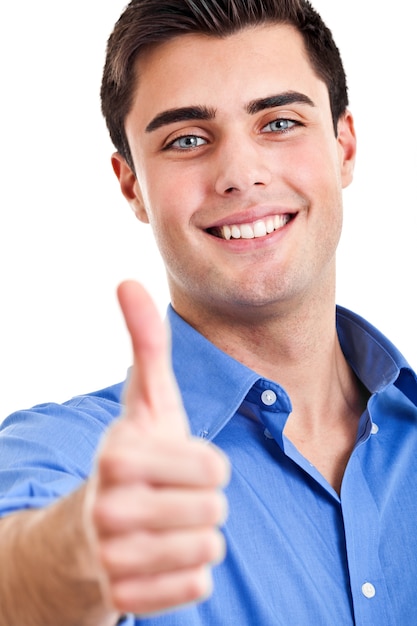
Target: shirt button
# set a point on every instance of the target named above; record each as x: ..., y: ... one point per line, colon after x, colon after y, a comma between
x: 268, y: 397
x: 374, y: 429
x: 368, y: 590
x: 267, y: 434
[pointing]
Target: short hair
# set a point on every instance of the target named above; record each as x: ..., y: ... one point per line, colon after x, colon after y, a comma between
x: 146, y: 23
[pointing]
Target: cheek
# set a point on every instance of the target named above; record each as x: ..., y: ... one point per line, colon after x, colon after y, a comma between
x: 317, y: 174
x: 317, y: 179
x: 168, y: 219
x: 173, y: 196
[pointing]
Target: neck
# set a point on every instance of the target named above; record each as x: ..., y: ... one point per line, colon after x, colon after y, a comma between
x: 300, y: 350
x: 283, y: 342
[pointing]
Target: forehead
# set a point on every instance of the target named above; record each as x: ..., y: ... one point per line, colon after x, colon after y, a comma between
x: 196, y: 69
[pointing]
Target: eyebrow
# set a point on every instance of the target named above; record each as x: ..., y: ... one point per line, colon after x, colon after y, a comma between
x: 279, y: 100
x: 184, y: 114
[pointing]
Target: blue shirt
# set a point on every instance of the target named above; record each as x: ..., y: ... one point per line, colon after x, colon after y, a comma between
x: 297, y: 553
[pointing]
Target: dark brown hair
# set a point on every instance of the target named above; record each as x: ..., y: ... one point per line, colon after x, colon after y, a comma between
x: 150, y: 22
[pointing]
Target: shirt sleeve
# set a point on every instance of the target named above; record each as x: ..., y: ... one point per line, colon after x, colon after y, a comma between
x: 48, y: 451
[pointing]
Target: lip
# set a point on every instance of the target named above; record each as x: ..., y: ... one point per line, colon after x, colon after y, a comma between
x: 242, y: 245
x: 251, y: 217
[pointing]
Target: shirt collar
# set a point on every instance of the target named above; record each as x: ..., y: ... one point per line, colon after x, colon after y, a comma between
x: 213, y: 384
x: 374, y: 359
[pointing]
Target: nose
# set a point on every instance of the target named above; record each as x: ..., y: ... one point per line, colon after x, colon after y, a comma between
x: 241, y: 164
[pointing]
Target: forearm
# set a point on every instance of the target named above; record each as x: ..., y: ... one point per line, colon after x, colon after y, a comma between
x: 47, y: 574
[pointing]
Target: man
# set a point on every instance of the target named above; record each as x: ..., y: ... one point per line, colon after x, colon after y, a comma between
x: 234, y: 142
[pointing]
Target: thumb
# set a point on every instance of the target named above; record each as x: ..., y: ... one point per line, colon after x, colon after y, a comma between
x: 152, y: 393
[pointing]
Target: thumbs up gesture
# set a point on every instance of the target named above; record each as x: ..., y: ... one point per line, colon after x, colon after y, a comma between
x: 155, y: 500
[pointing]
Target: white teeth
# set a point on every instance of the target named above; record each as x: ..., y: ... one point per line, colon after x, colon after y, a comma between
x: 278, y: 221
x: 260, y: 228
x: 246, y: 231
x: 235, y: 232
x: 270, y: 227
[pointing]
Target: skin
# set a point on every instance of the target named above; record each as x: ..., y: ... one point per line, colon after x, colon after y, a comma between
x: 142, y: 534
x: 241, y: 170
x: 269, y: 301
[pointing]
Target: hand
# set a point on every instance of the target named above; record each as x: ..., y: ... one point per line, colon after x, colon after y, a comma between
x: 154, y: 505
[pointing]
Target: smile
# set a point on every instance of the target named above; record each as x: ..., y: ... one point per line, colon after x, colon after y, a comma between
x: 252, y: 230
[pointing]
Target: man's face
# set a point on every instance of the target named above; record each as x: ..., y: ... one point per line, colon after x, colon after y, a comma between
x: 238, y: 170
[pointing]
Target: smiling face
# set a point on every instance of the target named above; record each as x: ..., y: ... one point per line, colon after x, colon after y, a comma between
x: 238, y: 171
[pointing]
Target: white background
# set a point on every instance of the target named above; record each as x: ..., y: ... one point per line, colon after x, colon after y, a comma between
x: 67, y: 237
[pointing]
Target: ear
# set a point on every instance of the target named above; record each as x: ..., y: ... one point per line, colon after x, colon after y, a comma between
x: 346, y: 139
x: 129, y: 186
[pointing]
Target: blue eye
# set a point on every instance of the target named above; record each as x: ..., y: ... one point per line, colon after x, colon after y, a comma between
x: 187, y: 142
x: 279, y: 126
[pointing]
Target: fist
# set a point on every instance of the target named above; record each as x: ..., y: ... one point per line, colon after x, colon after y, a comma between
x: 154, y: 504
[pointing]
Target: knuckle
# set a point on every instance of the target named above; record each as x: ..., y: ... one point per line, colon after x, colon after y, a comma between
x: 100, y: 515
x: 212, y: 547
x: 198, y: 585
x: 106, y: 556
x: 146, y: 510
x: 221, y: 508
x: 118, y: 597
x: 144, y: 555
x: 215, y: 465
x: 128, y: 556
x: 213, y: 507
x: 108, y: 466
